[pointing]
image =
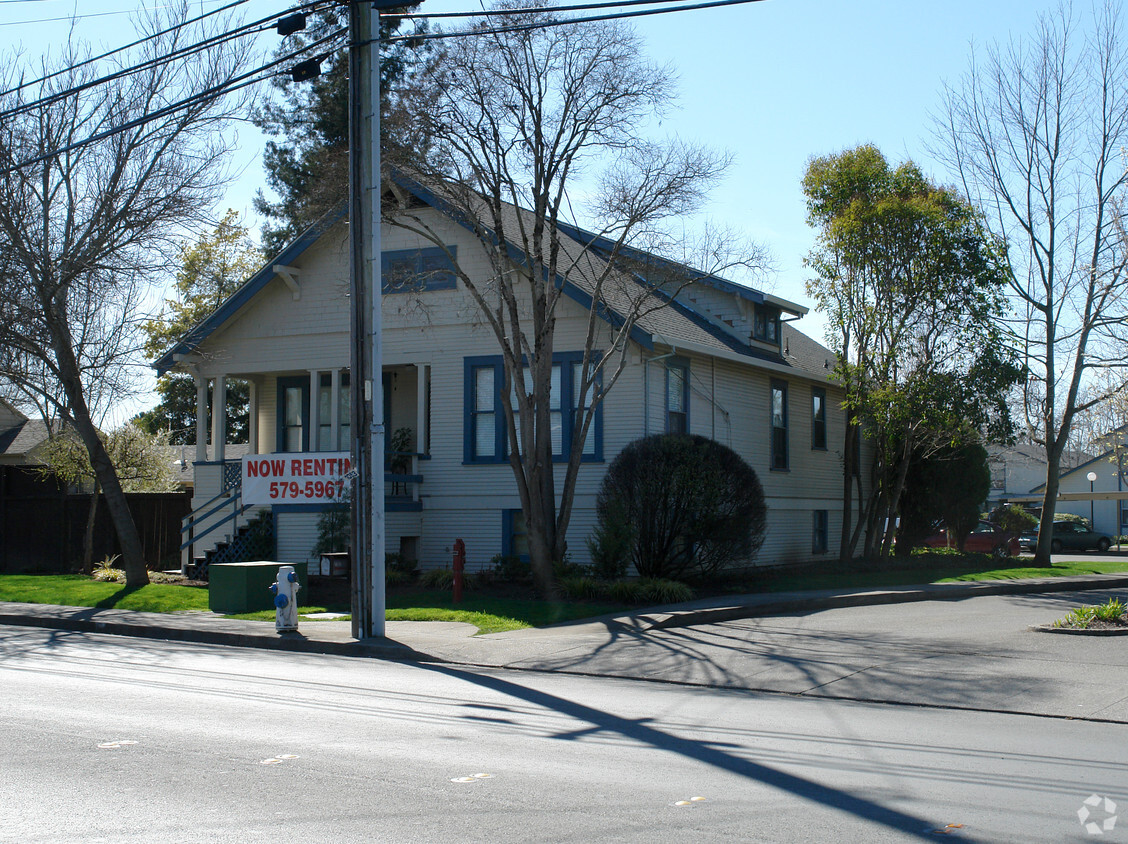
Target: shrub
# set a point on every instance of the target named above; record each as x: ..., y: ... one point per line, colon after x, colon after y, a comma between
x: 693, y: 506
x: 334, y: 529
x: 105, y: 571
x: 659, y: 591
x: 610, y: 544
x: 582, y: 588
x: 648, y: 590
x: 396, y: 577
x: 399, y: 563
x: 1013, y: 518
x: 444, y: 579
x: 627, y: 592
x: 437, y: 579
x: 509, y: 568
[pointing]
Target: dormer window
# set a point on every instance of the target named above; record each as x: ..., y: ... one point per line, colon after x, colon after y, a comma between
x: 765, y: 324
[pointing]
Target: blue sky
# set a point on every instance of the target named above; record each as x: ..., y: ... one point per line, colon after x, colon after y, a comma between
x: 774, y: 82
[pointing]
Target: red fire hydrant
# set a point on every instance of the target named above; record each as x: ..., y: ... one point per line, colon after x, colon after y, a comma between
x: 459, y: 567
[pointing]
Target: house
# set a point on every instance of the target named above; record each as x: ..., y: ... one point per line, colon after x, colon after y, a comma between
x: 1019, y: 469
x: 1102, y: 498
x: 722, y: 360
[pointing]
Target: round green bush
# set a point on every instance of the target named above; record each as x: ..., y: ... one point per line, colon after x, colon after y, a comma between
x: 690, y: 506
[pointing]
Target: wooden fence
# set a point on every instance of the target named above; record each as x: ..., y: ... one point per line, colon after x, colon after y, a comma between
x: 42, y: 527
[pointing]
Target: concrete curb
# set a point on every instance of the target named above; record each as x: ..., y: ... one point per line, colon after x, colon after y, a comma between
x: 293, y: 642
x: 210, y: 630
x: 846, y: 598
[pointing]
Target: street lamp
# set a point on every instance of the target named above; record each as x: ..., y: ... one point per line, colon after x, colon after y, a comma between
x: 1092, y: 476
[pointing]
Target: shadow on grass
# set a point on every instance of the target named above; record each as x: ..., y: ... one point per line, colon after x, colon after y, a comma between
x: 113, y: 600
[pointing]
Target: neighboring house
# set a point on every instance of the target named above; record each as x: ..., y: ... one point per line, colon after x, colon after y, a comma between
x: 183, y: 460
x: 24, y: 494
x: 1016, y: 470
x: 42, y: 522
x: 723, y: 361
x: 1104, y: 499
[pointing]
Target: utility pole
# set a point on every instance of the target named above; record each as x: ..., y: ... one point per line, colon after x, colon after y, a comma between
x: 368, y: 591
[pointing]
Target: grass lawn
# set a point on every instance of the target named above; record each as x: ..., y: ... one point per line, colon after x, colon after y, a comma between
x: 77, y: 590
x: 494, y: 613
x: 950, y: 569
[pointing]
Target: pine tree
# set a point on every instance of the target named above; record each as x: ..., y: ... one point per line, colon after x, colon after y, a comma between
x: 307, y: 166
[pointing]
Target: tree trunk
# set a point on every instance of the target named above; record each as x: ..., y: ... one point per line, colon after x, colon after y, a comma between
x: 133, y: 558
x: 88, y: 541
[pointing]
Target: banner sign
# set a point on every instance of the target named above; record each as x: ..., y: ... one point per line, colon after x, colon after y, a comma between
x: 317, y: 478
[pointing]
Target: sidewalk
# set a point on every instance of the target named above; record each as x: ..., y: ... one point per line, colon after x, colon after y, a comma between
x: 967, y: 646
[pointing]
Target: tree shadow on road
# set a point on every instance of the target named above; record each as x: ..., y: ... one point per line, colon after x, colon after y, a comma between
x: 705, y: 752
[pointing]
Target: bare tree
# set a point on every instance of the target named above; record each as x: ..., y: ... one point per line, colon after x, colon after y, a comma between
x: 103, y: 164
x: 527, y: 130
x: 1036, y: 132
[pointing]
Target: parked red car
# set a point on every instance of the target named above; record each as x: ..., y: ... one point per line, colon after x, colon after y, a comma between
x: 986, y: 538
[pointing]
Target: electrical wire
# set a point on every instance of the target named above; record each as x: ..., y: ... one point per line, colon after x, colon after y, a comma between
x: 434, y: 36
x: 85, y: 62
x: 81, y: 17
x: 236, y: 83
x: 181, y: 52
x: 492, y: 13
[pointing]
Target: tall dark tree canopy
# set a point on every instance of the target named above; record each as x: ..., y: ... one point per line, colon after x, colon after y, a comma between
x: 307, y: 160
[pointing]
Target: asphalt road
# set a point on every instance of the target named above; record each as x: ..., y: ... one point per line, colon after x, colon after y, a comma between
x: 108, y: 738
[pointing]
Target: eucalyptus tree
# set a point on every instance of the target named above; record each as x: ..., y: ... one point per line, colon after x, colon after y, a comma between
x: 912, y: 293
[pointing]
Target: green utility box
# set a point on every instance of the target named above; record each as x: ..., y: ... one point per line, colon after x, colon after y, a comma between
x: 245, y: 587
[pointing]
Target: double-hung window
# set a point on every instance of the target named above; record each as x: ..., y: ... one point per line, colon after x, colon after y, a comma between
x: 765, y: 324
x: 325, y: 411
x: 820, y: 538
x: 779, y: 425
x: 486, y: 437
x: 418, y: 270
x: 818, y: 418
x: 677, y: 396
x: 293, y: 414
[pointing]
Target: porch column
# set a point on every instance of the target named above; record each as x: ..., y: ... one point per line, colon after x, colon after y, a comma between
x: 422, y: 372
x: 335, y: 410
x: 314, y: 410
x: 219, y: 418
x: 201, y: 419
x: 252, y: 416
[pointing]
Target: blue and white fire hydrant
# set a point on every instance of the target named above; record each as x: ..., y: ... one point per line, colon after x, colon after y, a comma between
x: 285, y: 591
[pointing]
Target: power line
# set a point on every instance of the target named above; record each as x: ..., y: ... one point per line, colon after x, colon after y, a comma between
x: 241, y: 31
x: 229, y: 86
x: 76, y: 17
x: 545, y: 24
x: 492, y: 13
x: 106, y: 55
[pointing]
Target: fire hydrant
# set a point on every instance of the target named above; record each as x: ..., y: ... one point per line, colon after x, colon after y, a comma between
x: 285, y: 591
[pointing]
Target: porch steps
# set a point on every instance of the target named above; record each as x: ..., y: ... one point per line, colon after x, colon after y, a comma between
x: 253, y: 540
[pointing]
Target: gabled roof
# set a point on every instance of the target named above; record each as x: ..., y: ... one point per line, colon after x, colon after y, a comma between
x: 18, y: 442
x: 190, y: 341
x: 584, y: 256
